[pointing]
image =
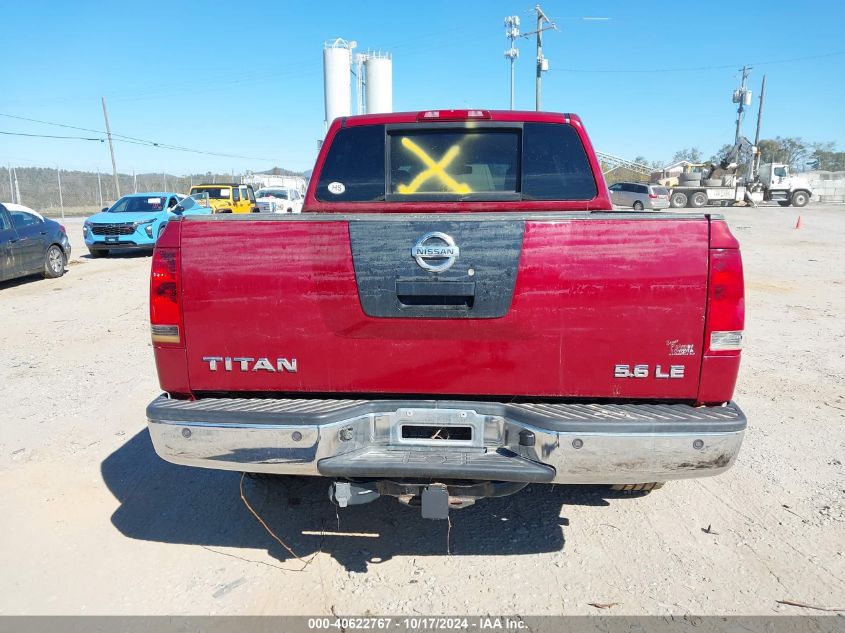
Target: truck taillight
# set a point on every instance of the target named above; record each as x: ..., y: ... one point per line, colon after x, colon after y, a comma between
x: 165, y: 297
x: 725, y: 301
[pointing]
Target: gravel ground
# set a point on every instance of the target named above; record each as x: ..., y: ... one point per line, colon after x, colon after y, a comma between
x: 94, y: 523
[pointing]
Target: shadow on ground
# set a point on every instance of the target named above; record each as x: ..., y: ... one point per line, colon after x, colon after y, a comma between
x: 21, y: 281
x: 175, y: 504
x: 125, y: 254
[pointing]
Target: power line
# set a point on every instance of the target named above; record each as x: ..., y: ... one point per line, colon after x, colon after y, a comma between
x: 78, y: 138
x: 71, y: 127
x: 128, y: 139
x: 125, y: 139
x: 691, y: 68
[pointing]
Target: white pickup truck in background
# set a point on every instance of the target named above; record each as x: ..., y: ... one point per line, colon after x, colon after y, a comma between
x: 278, y: 200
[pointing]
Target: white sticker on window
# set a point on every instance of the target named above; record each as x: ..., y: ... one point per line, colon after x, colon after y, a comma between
x: 336, y: 188
x: 153, y: 200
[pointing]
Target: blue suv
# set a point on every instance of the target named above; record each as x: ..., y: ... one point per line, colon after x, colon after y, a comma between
x: 135, y: 221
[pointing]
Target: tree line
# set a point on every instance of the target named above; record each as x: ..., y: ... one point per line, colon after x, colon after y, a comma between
x: 791, y: 150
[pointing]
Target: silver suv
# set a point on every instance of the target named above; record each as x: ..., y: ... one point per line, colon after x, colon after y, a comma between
x: 639, y: 196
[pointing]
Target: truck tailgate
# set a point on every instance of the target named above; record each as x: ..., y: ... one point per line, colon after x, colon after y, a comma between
x: 533, y: 305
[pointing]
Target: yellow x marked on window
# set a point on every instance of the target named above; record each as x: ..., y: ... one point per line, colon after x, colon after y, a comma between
x: 437, y: 169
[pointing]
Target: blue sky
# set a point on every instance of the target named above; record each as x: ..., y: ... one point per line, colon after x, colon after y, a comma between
x: 248, y: 80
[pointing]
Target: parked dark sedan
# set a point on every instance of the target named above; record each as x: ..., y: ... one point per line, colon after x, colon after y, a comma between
x: 31, y: 243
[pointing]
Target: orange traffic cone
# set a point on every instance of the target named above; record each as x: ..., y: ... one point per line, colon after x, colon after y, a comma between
x: 798, y: 223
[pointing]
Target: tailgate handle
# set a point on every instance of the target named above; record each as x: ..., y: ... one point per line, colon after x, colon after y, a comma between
x: 436, y: 294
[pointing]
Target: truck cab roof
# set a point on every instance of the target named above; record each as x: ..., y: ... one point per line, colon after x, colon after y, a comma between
x: 463, y: 160
x: 439, y: 115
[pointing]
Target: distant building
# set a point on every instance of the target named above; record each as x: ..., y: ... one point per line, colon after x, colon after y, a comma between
x: 671, y: 171
x: 828, y: 186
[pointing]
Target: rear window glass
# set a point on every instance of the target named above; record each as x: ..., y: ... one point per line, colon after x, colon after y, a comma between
x: 554, y: 164
x: 540, y: 161
x: 660, y: 191
x: 457, y: 162
x: 218, y: 193
x: 354, y: 167
x: 281, y: 194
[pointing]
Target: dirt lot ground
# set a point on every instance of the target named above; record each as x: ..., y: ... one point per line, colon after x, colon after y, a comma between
x: 93, y: 522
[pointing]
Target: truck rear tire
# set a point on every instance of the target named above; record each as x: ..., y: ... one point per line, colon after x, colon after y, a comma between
x: 654, y: 485
x: 698, y: 200
x: 678, y: 200
x: 800, y: 199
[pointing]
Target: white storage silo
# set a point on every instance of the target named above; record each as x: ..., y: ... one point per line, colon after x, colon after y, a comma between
x: 379, y: 73
x: 337, y: 84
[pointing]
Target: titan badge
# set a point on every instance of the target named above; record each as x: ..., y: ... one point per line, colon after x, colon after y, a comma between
x: 244, y: 363
x: 644, y: 371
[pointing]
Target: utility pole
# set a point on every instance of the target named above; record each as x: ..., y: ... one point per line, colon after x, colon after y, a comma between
x: 111, y: 150
x: 542, y: 62
x: 165, y: 181
x: 743, y: 98
x: 17, y: 188
x: 100, y: 187
x: 512, y: 32
x: 61, y: 200
x: 11, y: 186
x: 134, y: 181
x: 755, y: 160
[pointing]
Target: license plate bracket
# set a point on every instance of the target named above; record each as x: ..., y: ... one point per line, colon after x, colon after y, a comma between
x: 438, y: 427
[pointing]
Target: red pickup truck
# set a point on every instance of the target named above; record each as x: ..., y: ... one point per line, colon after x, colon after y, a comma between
x: 457, y: 313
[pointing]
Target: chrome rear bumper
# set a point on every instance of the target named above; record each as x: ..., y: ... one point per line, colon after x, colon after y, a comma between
x: 533, y: 442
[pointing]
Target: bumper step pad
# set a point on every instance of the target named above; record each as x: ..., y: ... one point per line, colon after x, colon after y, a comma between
x: 560, y: 417
x: 501, y: 465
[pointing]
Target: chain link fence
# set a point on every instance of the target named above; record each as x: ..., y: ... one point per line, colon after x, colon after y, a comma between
x: 69, y: 192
